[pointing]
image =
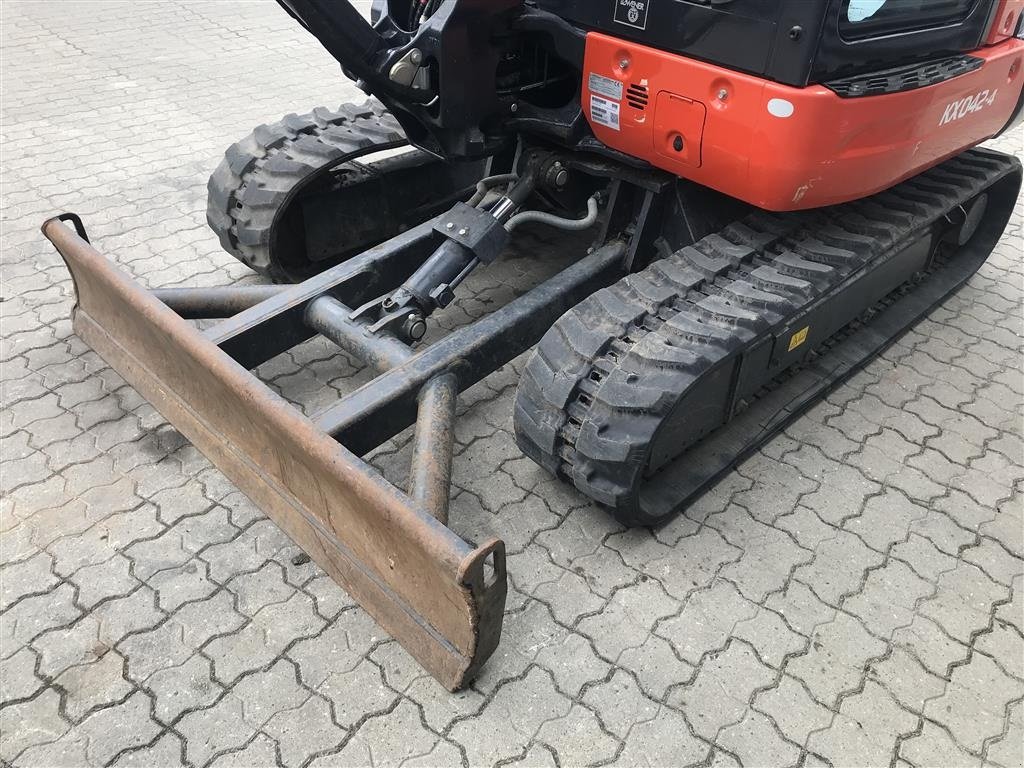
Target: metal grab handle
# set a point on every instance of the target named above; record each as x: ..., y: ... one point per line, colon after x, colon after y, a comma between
x: 76, y: 222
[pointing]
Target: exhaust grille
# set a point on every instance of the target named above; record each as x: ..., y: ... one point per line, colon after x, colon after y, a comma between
x: 637, y: 97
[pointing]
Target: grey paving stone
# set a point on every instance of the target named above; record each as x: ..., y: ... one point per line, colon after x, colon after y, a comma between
x: 806, y: 526
x: 834, y: 663
x: 188, y: 686
x: 356, y: 692
x: 769, y: 636
x: 36, y: 614
x: 838, y: 567
x: 793, y: 710
x: 657, y: 666
x: 513, y: 717
x: 69, y: 750
x: 114, y: 730
x: 693, y: 563
x: 329, y: 598
x: 206, y: 619
x: 103, y: 581
x: 94, y: 685
x: 888, y: 598
x: 769, y: 555
x: 963, y: 601
x: 665, y: 739
x: 385, y: 740
x: 1005, y: 646
x: 261, y: 752
x: 706, y: 621
x: 628, y: 618
x: 800, y: 607
x: 573, y: 664
x: 18, y: 680
x: 216, y: 729
x: 993, y: 558
x: 578, y: 738
x: 886, y: 519
x: 258, y: 642
x: 1009, y: 749
x: 923, y: 557
x: 266, y: 693
x: 151, y: 650
x: 972, y: 706
x: 440, y: 707
x: 906, y: 679
x: 933, y: 746
x: 181, y: 584
x: 621, y: 703
x: 776, y: 488
x: 931, y: 645
x: 31, y: 576
x: 260, y: 588
x: 756, y: 742
x: 165, y: 752
x: 720, y: 693
x: 864, y: 731
x: 338, y: 648
x: 1006, y: 526
x: 33, y: 722
x: 304, y: 731
x: 245, y: 552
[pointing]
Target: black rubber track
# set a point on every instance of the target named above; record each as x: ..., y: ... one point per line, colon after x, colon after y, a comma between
x: 261, y: 174
x: 632, y: 357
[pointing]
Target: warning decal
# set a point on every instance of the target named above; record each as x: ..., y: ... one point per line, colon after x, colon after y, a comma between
x: 604, y: 112
x: 798, y: 338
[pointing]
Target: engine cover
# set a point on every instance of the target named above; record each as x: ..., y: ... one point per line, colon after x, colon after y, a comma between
x: 784, y: 148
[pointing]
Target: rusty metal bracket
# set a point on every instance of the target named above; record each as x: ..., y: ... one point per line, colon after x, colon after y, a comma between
x: 440, y: 596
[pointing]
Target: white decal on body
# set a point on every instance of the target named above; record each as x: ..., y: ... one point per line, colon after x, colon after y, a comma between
x: 968, y: 106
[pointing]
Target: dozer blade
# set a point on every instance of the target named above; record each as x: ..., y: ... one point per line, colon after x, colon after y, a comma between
x: 419, y: 580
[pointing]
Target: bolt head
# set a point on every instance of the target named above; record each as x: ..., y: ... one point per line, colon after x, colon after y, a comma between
x: 416, y: 56
x: 723, y: 94
x: 415, y: 327
x: 623, y: 63
x: 449, y: 225
x: 514, y: 107
x: 463, y: 231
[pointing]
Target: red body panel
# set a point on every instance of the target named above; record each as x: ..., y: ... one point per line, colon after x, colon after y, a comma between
x: 1004, y: 20
x: 785, y: 148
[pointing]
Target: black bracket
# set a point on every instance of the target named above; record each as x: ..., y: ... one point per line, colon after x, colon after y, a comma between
x: 475, y: 230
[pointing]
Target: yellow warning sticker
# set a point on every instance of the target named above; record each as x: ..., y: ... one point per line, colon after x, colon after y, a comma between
x: 798, y: 338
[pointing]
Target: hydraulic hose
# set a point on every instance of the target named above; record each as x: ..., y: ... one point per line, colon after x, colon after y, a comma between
x: 486, y: 184
x: 551, y: 220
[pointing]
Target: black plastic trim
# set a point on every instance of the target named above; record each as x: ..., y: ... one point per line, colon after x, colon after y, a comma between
x: 906, y: 78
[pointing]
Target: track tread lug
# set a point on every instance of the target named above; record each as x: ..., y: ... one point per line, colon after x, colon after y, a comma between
x: 260, y: 173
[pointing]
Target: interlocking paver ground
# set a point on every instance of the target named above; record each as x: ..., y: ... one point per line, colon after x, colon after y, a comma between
x: 850, y: 595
